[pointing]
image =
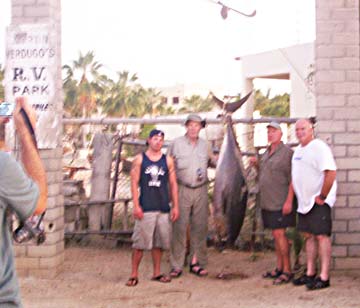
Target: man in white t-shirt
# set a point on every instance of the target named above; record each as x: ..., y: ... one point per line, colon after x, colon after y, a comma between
x: 313, y: 181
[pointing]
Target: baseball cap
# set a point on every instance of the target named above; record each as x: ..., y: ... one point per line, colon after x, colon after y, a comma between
x: 156, y: 132
x: 195, y: 118
x: 274, y: 124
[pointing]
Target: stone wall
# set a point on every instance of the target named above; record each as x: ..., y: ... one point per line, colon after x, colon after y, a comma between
x: 337, y: 86
x: 46, y: 260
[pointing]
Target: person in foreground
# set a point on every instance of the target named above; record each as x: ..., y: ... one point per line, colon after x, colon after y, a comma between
x: 191, y: 154
x: 314, y: 183
x: 20, y: 192
x: 277, y: 215
x: 151, y: 174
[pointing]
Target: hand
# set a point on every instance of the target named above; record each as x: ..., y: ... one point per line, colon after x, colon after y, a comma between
x: 319, y: 201
x: 138, y: 212
x: 174, y: 214
x: 4, y: 120
x: 287, y: 208
x: 19, y: 122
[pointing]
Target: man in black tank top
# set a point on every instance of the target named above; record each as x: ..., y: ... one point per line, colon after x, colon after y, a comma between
x: 151, y: 175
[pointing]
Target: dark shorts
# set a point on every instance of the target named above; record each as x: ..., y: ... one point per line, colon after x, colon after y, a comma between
x: 317, y: 221
x: 276, y: 220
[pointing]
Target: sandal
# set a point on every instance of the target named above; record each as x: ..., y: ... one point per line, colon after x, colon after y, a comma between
x: 272, y: 274
x: 175, y: 273
x: 132, y: 282
x: 283, y: 278
x: 161, y: 278
x: 317, y: 284
x: 201, y: 272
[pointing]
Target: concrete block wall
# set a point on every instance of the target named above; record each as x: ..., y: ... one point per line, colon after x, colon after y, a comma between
x: 337, y: 87
x: 46, y: 260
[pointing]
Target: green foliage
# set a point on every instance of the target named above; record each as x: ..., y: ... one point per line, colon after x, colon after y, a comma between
x: 278, y: 106
x: 94, y: 91
x: 196, y: 103
x: 146, y: 129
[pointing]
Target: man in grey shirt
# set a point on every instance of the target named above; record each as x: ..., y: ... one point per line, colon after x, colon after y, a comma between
x: 277, y: 215
x: 191, y: 155
x: 19, y: 194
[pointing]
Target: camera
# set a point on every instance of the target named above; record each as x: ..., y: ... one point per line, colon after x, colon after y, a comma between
x: 6, y: 109
x: 32, y: 228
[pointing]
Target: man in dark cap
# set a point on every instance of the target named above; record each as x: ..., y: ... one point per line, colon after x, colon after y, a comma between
x: 191, y: 154
x: 151, y: 174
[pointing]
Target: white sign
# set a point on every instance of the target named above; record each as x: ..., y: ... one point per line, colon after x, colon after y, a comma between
x: 30, y: 70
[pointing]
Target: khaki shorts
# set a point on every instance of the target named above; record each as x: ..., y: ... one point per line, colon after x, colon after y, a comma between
x: 153, y: 231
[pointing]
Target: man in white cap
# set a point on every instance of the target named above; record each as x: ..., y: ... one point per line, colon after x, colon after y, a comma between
x: 277, y: 214
x: 191, y: 155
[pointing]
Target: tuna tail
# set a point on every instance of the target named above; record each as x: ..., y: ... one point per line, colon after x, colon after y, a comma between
x: 231, y: 107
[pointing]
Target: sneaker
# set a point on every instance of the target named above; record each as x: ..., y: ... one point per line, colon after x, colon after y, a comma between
x: 304, y: 279
x: 317, y: 284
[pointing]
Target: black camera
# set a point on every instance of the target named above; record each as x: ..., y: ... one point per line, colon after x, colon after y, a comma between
x: 32, y: 228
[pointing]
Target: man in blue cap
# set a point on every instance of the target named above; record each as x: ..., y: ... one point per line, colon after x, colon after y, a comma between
x: 152, y: 173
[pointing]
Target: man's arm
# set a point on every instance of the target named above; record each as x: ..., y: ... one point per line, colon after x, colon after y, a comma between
x: 29, y: 154
x: 173, y: 189
x: 329, y: 178
x: 287, y: 207
x: 134, y: 180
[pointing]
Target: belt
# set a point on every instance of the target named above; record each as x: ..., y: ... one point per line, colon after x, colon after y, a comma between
x: 192, y: 186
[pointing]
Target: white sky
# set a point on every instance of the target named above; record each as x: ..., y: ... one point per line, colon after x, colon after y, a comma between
x: 177, y: 41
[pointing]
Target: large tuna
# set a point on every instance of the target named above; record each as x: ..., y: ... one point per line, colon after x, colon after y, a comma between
x: 230, y: 190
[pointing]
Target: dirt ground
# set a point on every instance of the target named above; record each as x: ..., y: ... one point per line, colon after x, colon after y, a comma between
x: 95, y: 277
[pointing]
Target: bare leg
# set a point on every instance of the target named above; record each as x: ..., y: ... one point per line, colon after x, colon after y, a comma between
x: 311, y: 255
x: 282, y: 250
x: 325, y: 255
x: 156, y: 256
x: 136, y: 259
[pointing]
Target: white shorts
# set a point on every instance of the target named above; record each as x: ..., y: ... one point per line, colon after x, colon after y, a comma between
x: 152, y: 231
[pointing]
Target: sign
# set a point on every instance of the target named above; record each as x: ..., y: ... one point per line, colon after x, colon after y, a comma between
x: 31, y: 70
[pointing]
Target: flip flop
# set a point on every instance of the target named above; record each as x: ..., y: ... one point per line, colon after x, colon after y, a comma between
x: 272, y: 274
x: 162, y: 278
x: 283, y: 278
x: 132, y: 282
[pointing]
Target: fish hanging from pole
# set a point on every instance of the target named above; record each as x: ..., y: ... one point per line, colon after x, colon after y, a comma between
x: 230, y: 188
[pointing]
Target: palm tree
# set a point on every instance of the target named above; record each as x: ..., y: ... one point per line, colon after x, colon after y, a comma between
x: 81, y: 85
x: 196, y: 103
x: 120, y: 99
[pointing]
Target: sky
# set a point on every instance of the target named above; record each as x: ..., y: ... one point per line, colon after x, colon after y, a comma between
x: 166, y: 42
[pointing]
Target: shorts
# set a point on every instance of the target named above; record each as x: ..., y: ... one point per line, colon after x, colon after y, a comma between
x: 152, y: 231
x: 276, y: 220
x: 317, y: 221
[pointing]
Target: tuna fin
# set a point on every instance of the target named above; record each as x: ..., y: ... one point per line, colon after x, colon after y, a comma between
x: 232, y: 107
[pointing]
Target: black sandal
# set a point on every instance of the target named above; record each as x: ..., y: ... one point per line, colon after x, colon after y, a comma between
x: 199, y: 271
x: 175, y: 273
x: 283, y: 278
x: 272, y: 274
x: 161, y: 278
